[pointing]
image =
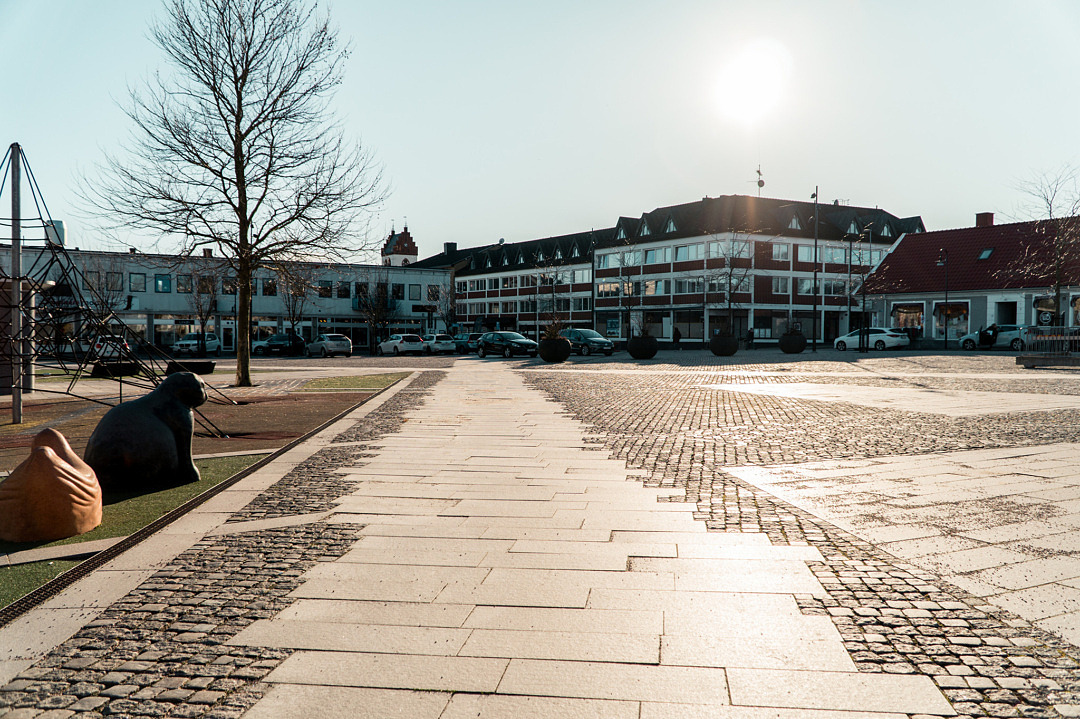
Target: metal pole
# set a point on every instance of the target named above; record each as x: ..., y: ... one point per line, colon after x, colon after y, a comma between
x: 945, y: 312
x: 16, y: 290
x: 813, y: 286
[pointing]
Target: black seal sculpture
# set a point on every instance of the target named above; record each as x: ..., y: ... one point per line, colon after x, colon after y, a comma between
x: 145, y: 444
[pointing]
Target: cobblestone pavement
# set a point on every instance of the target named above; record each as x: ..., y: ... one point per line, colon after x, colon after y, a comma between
x: 160, y: 651
x: 894, y: 617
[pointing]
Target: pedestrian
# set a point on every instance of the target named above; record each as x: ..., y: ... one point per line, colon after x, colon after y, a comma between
x: 676, y: 338
x: 750, y: 339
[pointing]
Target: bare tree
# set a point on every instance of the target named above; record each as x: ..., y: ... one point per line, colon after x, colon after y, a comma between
x: 375, y: 304
x: 1050, y: 256
x: 203, y: 299
x: 444, y: 299
x: 296, y: 283
x: 235, y: 149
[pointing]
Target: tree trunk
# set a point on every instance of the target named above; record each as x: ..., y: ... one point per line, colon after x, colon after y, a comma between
x: 243, y: 323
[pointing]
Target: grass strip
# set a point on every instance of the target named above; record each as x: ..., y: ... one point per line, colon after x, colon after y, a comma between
x: 360, y: 381
x: 124, y: 515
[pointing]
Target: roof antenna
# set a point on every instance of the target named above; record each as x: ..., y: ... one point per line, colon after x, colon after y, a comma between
x: 760, y: 180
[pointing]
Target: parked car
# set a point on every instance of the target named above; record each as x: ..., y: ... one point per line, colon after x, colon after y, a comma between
x: 281, y: 344
x: 879, y: 338
x: 434, y: 344
x: 400, y: 344
x: 1015, y: 337
x: 109, y: 347
x: 466, y: 343
x: 506, y: 344
x: 329, y: 345
x: 585, y: 342
x: 190, y: 343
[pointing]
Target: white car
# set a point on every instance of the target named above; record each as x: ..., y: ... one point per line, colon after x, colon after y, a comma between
x: 879, y: 339
x: 434, y: 344
x: 108, y: 347
x: 1015, y: 337
x: 329, y: 345
x: 400, y: 344
x: 190, y: 343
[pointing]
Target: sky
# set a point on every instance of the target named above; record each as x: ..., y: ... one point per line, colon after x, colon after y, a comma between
x: 524, y: 120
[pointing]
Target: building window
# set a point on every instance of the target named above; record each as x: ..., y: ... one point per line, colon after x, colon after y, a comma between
x: 659, y: 255
x: 325, y: 288
x: 741, y: 249
x: 343, y: 290
x: 397, y: 291
x: 228, y: 285
x: 689, y: 286
x: 432, y: 293
x: 581, y: 277
x: 206, y: 285
x: 644, y: 231
x: 670, y: 226
x: 461, y: 287
x: 806, y: 253
x: 183, y: 284
x: 688, y: 252
x: 607, y: 289
x: 603, y: 262
x: 493, y: 308
x: 985, y: 254
x: 509, y: 283
x: 360, y: 289
x: 114, y: 281
x: 414, y: 293
x: 834, y: 255
x: 794, y: 224
x: 658, y: 287
x: 781, y: 252
x: 137, y: 282
x: 162, y: 283
x: 269, y: 287
x: 582, y: 304
x: 509, y: 308
x: 780, y: 285
x: 92, y: 279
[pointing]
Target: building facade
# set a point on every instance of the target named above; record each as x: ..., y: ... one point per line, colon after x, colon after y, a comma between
x: 726, y: 264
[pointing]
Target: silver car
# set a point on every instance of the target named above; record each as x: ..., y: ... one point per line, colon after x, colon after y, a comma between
x: 329, y: 345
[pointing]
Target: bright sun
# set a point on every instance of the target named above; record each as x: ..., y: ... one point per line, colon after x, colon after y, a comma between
x: 753, y: 81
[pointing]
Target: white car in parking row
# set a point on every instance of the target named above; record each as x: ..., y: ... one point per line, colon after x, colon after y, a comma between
x: 400, y: 344
x: 878, y: 338
x: 434, y: 344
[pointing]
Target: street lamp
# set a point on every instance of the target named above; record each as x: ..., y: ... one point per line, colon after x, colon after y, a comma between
x: 813, y: 285
x: 943, y: 261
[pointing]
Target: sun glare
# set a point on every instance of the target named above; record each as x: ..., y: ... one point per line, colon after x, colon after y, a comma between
x: 753, y: 81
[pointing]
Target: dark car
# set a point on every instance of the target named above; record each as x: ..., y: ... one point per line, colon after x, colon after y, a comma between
x: 585, y: 342
x: 506, y: 344
x: 291, y: 345
x: 466, y: 343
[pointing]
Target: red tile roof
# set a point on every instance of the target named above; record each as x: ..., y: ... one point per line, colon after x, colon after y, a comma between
x: 1022, y: 255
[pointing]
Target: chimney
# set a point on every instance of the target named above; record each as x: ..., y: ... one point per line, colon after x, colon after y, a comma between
x: 984, y: 219
x: 449, y: 248
x: 208, y: 252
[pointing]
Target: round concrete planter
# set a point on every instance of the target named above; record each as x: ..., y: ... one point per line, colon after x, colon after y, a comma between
x: 642, y: 347
x: 554, y: 350
x: 723, y: 345
x: 792, y: 344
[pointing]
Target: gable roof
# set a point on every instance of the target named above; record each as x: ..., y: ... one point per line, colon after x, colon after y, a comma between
x: 762, y: 215
x: 1021, y: 257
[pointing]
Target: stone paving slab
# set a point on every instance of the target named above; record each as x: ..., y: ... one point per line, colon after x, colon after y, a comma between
x: 529, y: 617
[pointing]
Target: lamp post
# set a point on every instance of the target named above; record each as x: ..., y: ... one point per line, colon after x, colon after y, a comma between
x: 813, y: 285
x: 943, y: 261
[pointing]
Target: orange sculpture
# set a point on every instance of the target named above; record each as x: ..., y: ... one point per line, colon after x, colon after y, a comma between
x: 53, y: 494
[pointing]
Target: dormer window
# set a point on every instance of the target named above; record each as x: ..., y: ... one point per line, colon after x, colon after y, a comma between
x: 506, y: 261
x: 794, y: 224
x: 574, y: 252
x: 985, y: 254
x: 621, y: 234
x: 670, y: 226
x: 558, y: 253
x: 539, y: 255
x: 521, y: 259
x: 852, y: 229
x: 487, y: 262
x: 886, y: 232
x: 644, y: 231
